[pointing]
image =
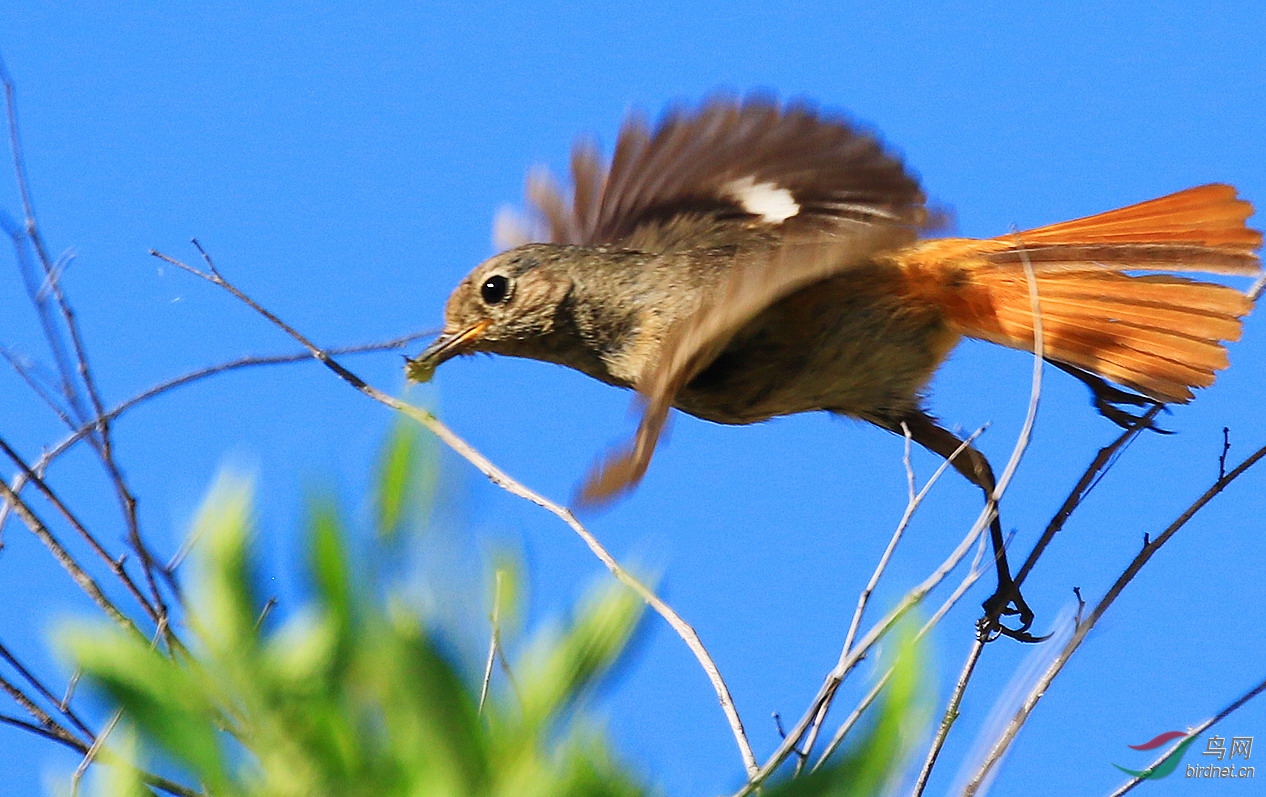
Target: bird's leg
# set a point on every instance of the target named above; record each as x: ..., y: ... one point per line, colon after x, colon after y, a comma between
x: 973, y: 465
x: 1111, y: 401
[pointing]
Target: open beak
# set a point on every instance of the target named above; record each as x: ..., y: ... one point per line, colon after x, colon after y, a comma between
x: 445, y: 347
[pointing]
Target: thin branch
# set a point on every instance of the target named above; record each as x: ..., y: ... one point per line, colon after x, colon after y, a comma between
x: 269, y: 605
x: 24, y: 371
x: 494, y: 639
x: 1226, y: 449
x: 71, y: 685
x: 52, y: 286
x: 973, y: 575
x: 877, y: 632
x: 1095, y: 471
x: 21, y: 237
x: 505, y: 482
x: 84, y: 432
x: 47, y: 694
x: 65, y: 558
x: 45, y: 720
x: 40, y: 730
x: 93, y: 752
x: 915, y: 596
x: 116, y: 566
x: 1035, y: 385
x: 950, y: 716
x: 1003, y: 743
x: 907, y: 464
x: 255, y: 361
x: 863, y: 598
x: 169, y: 786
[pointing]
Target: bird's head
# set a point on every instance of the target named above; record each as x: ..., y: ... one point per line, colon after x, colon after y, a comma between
x: 507, y: 305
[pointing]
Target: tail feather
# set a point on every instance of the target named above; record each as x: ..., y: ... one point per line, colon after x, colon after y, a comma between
x: 1150, y: 290
x: 1207, y: 215
x: 1159, y: 334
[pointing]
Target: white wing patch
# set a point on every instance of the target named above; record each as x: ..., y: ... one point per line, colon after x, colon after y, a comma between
x: 773, y: 203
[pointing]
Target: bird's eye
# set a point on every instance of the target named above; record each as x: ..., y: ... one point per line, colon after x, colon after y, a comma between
x: 495, y: 290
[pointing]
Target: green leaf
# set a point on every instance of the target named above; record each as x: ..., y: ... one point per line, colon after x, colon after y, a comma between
x: 223, y: 606
x: 165, y: 700
x: 352, y: 694
x: 406, y: 477
x: 121, y: 778
x: 329, y: 562
x: 429, y: 711
x: 557, y: 670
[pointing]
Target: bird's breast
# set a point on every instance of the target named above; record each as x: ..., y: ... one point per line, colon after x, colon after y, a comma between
x: 855, y: 344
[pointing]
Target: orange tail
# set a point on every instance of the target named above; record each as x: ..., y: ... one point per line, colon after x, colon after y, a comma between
x: 1158, y: 334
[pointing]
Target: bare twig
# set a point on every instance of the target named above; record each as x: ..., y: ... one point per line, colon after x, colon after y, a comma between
x: 986, y: 516
x: 84, y: 432
x: 65, y: 558
x: 93, y: 751
x: 1003, y: 743
x: 973, y: 575
x: 54, y: 735
x: 39, y: 686
x: 1255, y: 290
x: 494, y: 639
x: 40, y: 730
x: 1226, y: 449
x: 71, y: 685
x: 115, y: 565
x: 20, y: 235
x: 52, y: 286
x: 32, y: 381
x: 863, y: 598
x: 1094, y: 472
x: 951, y: 714
x: 269, y: 605
x: 911, y: 599
x: 877, y: 632
x: 45, y: 720
x: 504, y: 481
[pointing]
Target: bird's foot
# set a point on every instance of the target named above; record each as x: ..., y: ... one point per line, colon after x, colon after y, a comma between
x: 1007, y: 602
x: 1112, y: 402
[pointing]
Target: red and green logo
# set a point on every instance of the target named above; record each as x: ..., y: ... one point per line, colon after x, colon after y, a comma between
x: 1169, y: 763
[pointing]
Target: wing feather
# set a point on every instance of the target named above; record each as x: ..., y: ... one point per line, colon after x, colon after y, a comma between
x: 700, y: 176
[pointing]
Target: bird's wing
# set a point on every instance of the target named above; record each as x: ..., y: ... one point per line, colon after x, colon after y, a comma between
x: 693, y: 343
x: 708, y: 175
x: 801, y: 195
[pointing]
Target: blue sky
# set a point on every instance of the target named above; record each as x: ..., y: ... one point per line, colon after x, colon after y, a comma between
x: 344, y: 164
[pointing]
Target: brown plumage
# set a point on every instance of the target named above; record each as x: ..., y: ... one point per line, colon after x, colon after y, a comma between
x: 746, y: 260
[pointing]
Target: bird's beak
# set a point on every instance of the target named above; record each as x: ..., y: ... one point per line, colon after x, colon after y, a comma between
x: 445, y: 347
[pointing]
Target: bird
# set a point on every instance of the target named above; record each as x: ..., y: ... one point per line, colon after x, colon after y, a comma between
x: 747, y: 258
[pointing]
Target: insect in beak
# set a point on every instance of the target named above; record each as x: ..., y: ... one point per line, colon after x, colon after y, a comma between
x: 443, y: 348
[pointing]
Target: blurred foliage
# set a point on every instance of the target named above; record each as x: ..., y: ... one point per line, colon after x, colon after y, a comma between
x: 353, y: 694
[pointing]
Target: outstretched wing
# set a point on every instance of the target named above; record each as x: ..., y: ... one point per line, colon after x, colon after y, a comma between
x: 800, y: 195
x: 702, y: 176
